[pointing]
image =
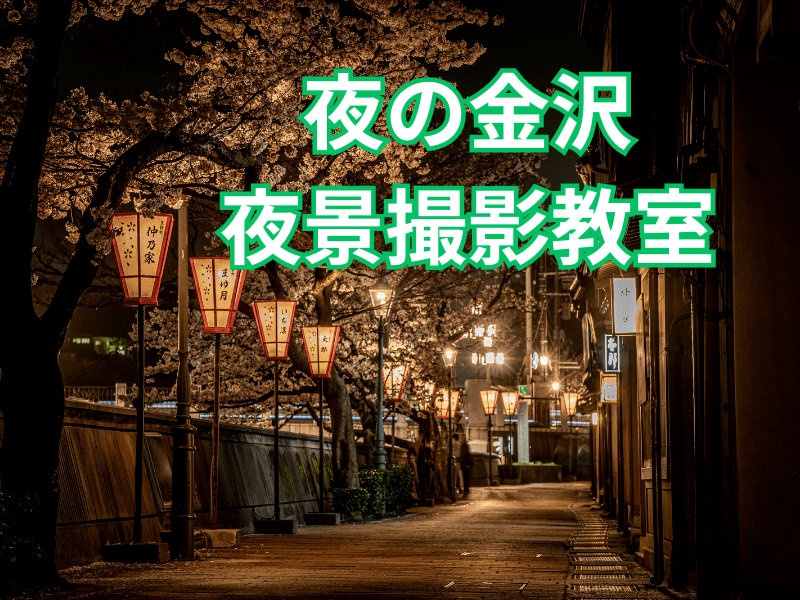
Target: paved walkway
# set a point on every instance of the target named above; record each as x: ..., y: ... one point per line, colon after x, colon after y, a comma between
x: 506, y: 542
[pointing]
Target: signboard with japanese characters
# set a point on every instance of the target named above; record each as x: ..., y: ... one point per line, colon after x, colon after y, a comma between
x: 609, y: 388
x: 611, y: 354
x: 623, y: 305
x: 140, y: 246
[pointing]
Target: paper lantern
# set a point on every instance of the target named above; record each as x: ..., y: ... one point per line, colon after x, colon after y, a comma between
x: 320, y: 344
x: 510, y: 400
x: 571, y: 400
x: 218, y: 291
x: 274, y: 320
x: 140, y: 245
x: 489, y: 401
x: 441, y: 404
x: 394, y: 381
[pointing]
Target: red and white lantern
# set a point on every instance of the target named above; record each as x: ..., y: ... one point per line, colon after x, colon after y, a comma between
x: 510, y: 401
x: 442, y: 405
x: 218, y: 291
x: 394, y: 382
x: 140, y: 245
x: 275, y: 320
x: 320, y: 344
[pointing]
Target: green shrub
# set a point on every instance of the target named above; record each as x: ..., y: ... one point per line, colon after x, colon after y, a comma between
x: 372, y: 480
x: 349, y: 500
x: 399, y: 483
x: 18, y: 516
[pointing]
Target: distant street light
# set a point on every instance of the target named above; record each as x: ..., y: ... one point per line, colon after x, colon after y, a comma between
x: 381, y: 295
x: 556, y: 385
x: 274, y: 320
x: 449, y: 358
x: 320, y: 345
x: 218, y: 291
x: 544, y: 360
x: 140, y: 246
x: 489, y: 401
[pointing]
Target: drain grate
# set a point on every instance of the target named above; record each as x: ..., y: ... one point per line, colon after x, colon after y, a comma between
x: 605, y: 588
x: 603, y: 576
x: 598, y: 558
x: 600, y: 568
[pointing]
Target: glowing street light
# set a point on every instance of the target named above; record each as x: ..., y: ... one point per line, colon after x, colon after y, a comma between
x: 140, y: 247
x: 556, y: 385
x: 544, y: 360
x: 489, y: 401
x: 510, y: 401
x: 381, y: 295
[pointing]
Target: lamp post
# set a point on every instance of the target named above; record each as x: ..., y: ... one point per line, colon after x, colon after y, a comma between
x: 449, y: 358
x: 218, y: 291
x: 320, y: 345
x: 510, y: 403
x: 381, y: 296
x: 489, y: 401
x: 274, y: 320
x: 140, y: 247
x: 397, y: 380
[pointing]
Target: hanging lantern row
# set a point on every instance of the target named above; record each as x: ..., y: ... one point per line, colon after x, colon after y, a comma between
x: 442, y: 404
x: 140, y: 246
x: 394, y: 380
x: 218, y: 291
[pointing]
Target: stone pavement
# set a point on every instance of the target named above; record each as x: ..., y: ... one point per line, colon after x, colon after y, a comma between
x: 504, y: 542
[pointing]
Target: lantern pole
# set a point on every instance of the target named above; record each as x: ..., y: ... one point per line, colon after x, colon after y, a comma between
x: 137, y: 502
x: 215, y: 437
x: 394, y: 411
x: 490, y: 450
x: 182, y: 516
x: 321, y: 456
x: 276, y: 468
x: 380, y: 452
x: 450, y: 457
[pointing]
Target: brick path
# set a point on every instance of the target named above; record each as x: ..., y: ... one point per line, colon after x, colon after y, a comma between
x: 503, y: 542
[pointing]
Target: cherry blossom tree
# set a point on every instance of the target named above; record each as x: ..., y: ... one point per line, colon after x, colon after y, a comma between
x: 228, y: 121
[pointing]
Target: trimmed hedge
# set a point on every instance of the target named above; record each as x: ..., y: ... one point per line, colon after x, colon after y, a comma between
x: 390, y: 489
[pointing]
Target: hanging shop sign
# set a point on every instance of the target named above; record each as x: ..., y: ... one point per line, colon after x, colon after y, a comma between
x: 611, y: 354
x: 609, y: 388
x: 623, y: 305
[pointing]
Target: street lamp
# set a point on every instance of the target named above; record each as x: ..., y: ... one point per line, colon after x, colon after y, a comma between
x: 544, y: 360
x: 489, y: 401
x: 510, y: 401
x: 449, y: 358
x: 140, y: 246
x: 556, y: 385
x: 397, y: 381
x: 381, y: 296
x: 274, y: 320
x: 320, y: 345
x: 218, y: 291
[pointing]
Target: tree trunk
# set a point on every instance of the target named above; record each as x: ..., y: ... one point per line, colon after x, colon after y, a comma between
x: 31, y: 389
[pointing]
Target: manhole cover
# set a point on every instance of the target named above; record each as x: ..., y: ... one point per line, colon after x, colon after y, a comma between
x: 605, y: 588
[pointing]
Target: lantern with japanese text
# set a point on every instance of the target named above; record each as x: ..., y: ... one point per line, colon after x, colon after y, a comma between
x: 274, y: 320
x: 510, y: 401
x: 442, y: 404
x: 140, y: 246
x: 320, y: 344
x: 394, y: 381
x: 218, y: 291
x: 489, y: 401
